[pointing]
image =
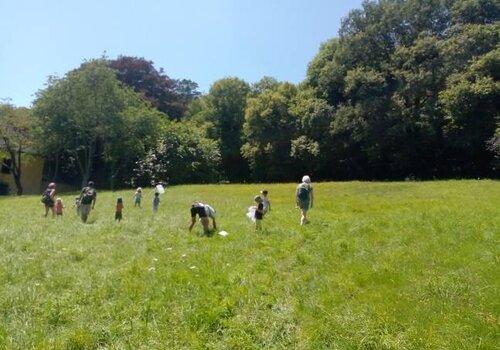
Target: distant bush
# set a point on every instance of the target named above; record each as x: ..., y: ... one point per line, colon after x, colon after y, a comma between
x: 4, y: 189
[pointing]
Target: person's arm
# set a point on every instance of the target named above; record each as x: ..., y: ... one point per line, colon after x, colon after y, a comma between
x: 297, y: 197
x: 93, y: 201
x: 215, y: 224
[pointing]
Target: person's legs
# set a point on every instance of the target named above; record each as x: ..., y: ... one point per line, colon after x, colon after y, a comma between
x: 205, y: 223
x: 303, y: 216
x: 46, y: 210
x: 85, y: 210
x: 258, y: 225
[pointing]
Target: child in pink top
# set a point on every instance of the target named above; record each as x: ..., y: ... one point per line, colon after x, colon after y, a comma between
x: 59, y: 207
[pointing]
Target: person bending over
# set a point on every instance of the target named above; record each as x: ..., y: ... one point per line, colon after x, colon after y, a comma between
x: 200, y: 209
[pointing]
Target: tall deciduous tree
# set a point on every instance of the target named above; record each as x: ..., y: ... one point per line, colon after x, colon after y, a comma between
x: 268, y: 132
x: 16, y: 137
x: 223, y: 108
x: 168, y: 95
x: 92, y: 116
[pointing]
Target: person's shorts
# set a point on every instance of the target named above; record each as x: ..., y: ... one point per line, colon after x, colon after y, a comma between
x: 85, y: 209
x: 304, y: 205
x: 118, y: 216
x: 50, y: 204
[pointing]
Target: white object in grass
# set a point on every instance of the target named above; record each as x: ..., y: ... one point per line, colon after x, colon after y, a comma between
x: 160, y: 189
x: 223, y: 233
x: 251, y: 213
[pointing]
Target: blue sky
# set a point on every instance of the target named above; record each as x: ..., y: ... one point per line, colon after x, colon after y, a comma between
x: 199, y: 40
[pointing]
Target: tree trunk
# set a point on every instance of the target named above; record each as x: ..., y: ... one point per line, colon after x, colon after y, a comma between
x: 15, y: 168
x: 85, y: 163
x: 17, y: 180
x: 56, y: 169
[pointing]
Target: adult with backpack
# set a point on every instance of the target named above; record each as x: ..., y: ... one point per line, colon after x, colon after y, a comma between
x: 87, y: 200
x: 48, y: 198
x: 304, y: 198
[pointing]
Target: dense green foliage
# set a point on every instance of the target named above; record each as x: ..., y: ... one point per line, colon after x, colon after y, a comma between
x: 170, y: 96
x: 409, y: 89
x: 222, y: 110
x: 17, y: 135
x: 90, y: 115
x: 380, y: 266
x: 182, y: 154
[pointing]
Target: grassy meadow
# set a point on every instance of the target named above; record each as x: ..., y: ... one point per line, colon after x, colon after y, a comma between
x: 381, y: 266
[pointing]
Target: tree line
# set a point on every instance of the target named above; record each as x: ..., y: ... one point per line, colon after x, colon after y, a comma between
x: 408, y: 89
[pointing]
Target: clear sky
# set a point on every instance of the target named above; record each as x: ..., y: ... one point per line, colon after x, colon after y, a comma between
x: 202, y: 40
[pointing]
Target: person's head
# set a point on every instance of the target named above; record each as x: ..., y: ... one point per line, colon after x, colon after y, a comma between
x: 157, y: 194
x: 306, y: 179
x: 59, y: 200
x: 264, y: 193
x: 52, y: 185
x: 258, y: 199
x: 119, y: 200
x: 90, y: 184
x: 139, y: 189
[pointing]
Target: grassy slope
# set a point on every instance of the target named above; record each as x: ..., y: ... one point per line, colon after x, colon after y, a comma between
x: 382, y: 265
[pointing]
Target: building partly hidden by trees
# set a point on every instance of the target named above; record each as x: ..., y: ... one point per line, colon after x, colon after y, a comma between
x: 408, y: 89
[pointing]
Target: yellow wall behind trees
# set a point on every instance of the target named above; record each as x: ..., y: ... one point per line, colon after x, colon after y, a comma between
x: 31, y: 174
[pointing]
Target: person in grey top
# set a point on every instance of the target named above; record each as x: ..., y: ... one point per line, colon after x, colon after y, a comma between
x: 304, y: 198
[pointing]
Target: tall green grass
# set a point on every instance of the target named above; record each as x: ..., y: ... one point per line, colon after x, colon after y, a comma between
x: 380, y: 266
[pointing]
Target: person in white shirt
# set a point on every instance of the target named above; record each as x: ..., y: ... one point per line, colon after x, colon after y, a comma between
x: 265, y: 201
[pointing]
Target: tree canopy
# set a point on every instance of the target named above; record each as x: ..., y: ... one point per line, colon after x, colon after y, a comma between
x: 408, y: 89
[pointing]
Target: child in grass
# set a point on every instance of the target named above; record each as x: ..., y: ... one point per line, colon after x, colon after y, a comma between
x: 265, y: 201
x: 156, y: 202
x: 259, y: 213
x: 76, y: 205
x: 138, y: 197
x: 119, y: 209
x: 59, y: 207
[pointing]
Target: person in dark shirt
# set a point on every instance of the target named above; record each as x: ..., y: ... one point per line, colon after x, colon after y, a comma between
x: 259, y: 213
x: 199, y: 209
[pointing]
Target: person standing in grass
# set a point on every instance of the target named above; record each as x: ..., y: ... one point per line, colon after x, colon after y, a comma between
x: 76, y: 205
x: 156, y: 202
x: 198, y: 208
x: 48, y: 198
x: 88, y: 197
x: 138, y: 197
x: 259, y: 213
x: 119, y: 209
x: 59, y: 207
x: 304, y: 198
x: 265, y: 201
